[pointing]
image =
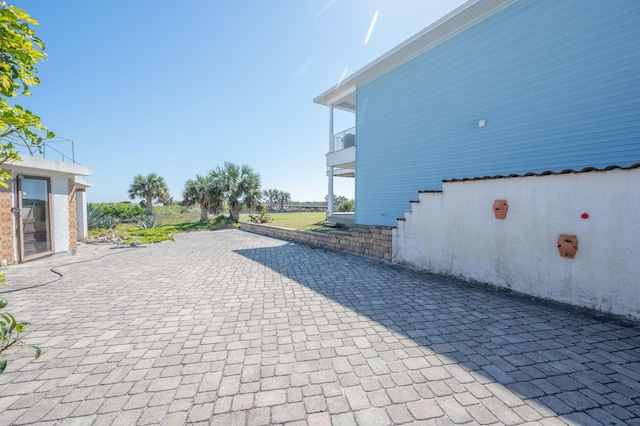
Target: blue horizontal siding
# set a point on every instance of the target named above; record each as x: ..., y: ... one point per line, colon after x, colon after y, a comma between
x: 558, y: 83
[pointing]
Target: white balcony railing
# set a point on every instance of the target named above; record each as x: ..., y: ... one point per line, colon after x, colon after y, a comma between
x: 345, y: 139
x: 57, y: 148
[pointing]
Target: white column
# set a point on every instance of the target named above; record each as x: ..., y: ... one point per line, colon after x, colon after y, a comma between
x: 81, y: 214
x: 330, y: 197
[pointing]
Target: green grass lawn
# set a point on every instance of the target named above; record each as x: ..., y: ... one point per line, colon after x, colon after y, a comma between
x: 307, y: 221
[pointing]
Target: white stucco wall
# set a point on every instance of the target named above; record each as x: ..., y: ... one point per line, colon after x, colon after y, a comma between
x: 455, y: 233
x: 59, y: 173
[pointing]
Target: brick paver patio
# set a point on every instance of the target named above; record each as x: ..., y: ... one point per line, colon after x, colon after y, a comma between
x: 233, y: 328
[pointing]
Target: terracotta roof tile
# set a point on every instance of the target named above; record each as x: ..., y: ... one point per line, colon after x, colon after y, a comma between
x: 545, y: 173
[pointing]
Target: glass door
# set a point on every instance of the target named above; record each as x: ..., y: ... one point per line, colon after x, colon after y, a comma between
x: 35, y: 214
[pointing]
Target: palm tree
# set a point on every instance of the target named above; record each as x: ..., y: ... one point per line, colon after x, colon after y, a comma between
x: 196, y: 192
x: 238, y: 186
x: 149, y: 187
x: 283, y: 197
x: 270, y: 195
x: 337, y: 199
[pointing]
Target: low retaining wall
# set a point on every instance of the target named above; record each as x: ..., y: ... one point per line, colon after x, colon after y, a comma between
x: 374, y: 242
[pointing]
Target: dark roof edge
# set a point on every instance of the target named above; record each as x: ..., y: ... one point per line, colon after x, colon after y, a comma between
x: 547, y: 173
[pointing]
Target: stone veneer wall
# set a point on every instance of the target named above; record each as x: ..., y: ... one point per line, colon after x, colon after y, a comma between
x: 374, y: 241
x: 6, y: 225
x: 73, y: 226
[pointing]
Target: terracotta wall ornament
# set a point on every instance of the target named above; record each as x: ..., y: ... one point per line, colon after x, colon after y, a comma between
x: 568, y: 245
x: 500, y: 209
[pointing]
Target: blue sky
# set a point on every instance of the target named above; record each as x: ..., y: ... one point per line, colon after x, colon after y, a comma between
x: 177, y: 88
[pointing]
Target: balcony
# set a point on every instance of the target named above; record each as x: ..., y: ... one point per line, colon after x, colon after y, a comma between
x: 57, y: 148
x: 342, y: 154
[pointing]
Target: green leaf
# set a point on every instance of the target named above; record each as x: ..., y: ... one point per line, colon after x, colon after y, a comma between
x: 3, y: 365
x: 38, y: 351
x: 11, y: 321
x: 3, y: 303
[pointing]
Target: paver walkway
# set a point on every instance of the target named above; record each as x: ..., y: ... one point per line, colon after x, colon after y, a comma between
x: 233, y: 328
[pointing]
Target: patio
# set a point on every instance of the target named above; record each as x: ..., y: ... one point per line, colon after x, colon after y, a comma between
x: 234, y: 328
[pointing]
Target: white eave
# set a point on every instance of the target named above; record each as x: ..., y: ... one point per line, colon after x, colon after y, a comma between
x: 45, y: 165
x: 81, y: 182
x: 342, y: 95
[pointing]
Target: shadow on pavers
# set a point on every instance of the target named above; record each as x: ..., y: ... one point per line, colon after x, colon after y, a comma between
x: 542, y: 351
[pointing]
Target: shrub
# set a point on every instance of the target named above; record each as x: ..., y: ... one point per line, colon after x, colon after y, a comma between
x: 10, y: 331
x: 149, y: 222
x: 97, y: 218
x: 94, y: 216
x: 263, y: 217
x: 122, y: 211
x: 109, y: 222
x: 346, y: 206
